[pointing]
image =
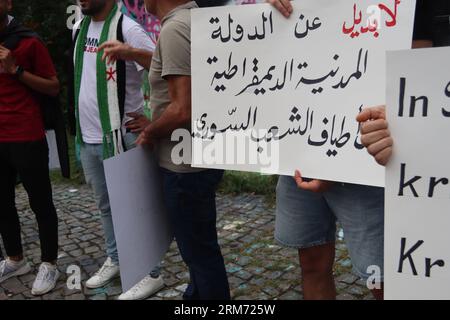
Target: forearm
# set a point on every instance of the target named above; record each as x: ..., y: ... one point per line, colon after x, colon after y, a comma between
x: 46, y: 86
x: 142, y: 57
x: 173, y: 118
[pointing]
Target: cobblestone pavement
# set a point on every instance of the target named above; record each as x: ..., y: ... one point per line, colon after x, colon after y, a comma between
x: 258, y: 268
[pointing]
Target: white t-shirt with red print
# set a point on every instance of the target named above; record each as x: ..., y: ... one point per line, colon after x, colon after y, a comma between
x: 135, y: 36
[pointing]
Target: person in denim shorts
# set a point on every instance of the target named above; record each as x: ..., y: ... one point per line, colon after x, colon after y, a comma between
x: 308, y: 210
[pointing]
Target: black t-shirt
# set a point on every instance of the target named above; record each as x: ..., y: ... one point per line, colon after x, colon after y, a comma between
x: 211, y: 3
x: 433, y: 21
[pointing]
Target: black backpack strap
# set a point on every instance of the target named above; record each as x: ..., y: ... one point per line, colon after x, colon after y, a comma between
x: 121, y: 78
x: 121, y: 72
x: 77, y: 32
x: 71, y: 82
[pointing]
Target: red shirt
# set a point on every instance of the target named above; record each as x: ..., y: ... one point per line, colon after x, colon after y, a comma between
x: 20, y: 113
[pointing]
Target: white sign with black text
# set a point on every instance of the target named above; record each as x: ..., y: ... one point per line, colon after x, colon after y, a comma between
x: 417, y: 226
x: 273, y: 95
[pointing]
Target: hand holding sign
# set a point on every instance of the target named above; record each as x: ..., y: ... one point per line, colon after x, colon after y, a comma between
x: 376, y: 136
x: 284, y: 6
x: 317, y: 186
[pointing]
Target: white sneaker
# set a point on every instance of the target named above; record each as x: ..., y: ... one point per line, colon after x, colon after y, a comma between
x: 45, y: 280
x: 107, y: 272
x: 144, y: 289
x: 9, y: 269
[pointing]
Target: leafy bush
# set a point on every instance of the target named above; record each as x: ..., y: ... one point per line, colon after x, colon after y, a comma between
x: 48, y: 19
x: 235, y: 182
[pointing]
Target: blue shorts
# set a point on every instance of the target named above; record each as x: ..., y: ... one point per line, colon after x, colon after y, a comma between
x: 305, y: 219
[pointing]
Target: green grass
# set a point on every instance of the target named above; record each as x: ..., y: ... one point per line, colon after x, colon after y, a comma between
x: 235, y: 182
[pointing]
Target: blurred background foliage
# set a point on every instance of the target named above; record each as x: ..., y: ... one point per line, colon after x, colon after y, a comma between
x: 48, y: 19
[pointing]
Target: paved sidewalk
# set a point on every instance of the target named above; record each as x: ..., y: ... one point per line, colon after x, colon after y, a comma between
x: 258, y: 268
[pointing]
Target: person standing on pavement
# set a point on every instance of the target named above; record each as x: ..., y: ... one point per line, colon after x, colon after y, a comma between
x: 111, y: 52
x: 26, y: 71
x: 189, y: 193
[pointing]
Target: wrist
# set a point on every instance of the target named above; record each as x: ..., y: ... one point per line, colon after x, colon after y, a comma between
x: 17, y: 71
x: 148, y: 130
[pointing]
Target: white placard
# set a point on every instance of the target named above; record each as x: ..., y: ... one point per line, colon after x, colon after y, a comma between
x: 417, y: 226
x: 290, y: 89
x: 141, y: 226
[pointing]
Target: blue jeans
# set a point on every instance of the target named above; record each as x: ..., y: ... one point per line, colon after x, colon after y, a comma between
x: 91, y: 156
x: 191, y: 202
